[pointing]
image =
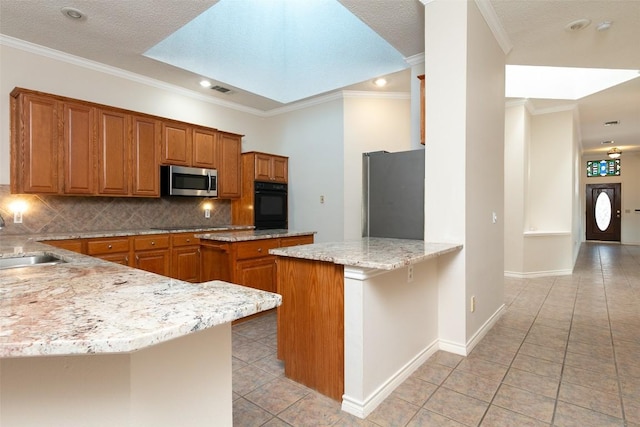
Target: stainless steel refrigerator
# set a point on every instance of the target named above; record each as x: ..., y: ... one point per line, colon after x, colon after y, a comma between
x: 393, y: 194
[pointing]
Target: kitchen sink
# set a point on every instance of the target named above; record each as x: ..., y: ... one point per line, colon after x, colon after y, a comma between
x: 29, y: 261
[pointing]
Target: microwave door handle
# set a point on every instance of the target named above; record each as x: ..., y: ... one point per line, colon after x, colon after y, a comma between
x: 209, y: 183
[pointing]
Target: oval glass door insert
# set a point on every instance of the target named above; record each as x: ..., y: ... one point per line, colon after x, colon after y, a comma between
x: 603, y: 211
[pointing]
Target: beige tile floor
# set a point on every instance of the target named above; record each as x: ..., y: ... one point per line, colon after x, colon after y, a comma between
x: 566, y: 352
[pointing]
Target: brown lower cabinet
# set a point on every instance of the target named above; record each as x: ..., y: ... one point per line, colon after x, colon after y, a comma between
x: 185, y: 257
x: 151, y: 253
x: 245, y: 263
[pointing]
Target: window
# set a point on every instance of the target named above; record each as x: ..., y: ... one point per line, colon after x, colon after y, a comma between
x: 603, y: 168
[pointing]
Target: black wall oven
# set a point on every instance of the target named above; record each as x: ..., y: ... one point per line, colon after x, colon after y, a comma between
x: 270, y: 205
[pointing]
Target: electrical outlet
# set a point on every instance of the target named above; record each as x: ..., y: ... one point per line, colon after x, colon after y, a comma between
x: 17, y: 217
x: 207, y: 213
x: 321, y: 199
x: 410, y: 274
x: 473, y: 304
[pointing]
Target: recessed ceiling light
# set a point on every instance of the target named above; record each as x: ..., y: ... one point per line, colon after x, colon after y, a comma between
x: 577, y: 25
x: 611, y: 123
x: 607, y: 142
x: 380, y: 82
x: 73, y: 13
x: 205, y: 83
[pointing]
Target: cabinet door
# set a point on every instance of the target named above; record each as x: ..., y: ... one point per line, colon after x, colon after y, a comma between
x: 280, y: 171
x: 39, y: 145
x: 153, y: 261
x: 176, y: 143
x: 229, y: 172
x: 120, y: 258
x: 78, y: 149
x: 145, y: 175
x: 113, y: 153
x: 259, y: 273
x: 214, y: 261
x: 74, y: 245
x: 263, y: 167
x: 185, y: 263
x: 204, y: 149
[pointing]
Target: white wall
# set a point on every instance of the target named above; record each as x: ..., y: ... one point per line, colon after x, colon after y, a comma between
x: 516, y: 151
x: 630, y: 183
x: 372, y: 123
x: 549, y: 204
x: 464, y: 66
x: 313, y: 139
x: 95, y: 83
x: 542, y: 200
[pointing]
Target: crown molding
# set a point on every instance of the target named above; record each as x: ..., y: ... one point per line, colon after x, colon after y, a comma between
x: 416, y: 59
x: 118, y: 72
x: 489, y: 15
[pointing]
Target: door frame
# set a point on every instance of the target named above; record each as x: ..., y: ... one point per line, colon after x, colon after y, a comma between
x: 614, y: 231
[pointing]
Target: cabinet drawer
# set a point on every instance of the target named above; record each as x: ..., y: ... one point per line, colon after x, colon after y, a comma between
x: 107, y: 246
x: 256, y: 248
x: 186, y: 239
x: 143, y: 243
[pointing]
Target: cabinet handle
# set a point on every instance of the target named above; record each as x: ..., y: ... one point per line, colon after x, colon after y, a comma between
x: 188, y: 240
x: 153, y: 243
x: 126, y: 259
x: 259, y: 249
x: 137, y: 260
x: 109, y: 247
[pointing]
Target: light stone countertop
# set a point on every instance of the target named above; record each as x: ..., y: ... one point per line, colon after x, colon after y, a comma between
x: 88, y: 305
x: 247, y: 235
x: 371, y: 252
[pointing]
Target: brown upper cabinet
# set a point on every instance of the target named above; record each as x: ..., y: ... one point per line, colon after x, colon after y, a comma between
x: 78, y: 148
x: 176, y: 143
x: 145, y: 155
x: 269, y: 167
x: 61, y: 145
x: 229, y: 171
x: 34, y: 154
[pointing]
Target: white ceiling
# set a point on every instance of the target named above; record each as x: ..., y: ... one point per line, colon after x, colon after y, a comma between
x: 118, y: 32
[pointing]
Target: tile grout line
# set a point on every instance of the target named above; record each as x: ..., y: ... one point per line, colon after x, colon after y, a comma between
x: 514, y: 358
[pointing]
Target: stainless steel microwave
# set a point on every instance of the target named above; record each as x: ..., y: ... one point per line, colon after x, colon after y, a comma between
x: 185, y: 181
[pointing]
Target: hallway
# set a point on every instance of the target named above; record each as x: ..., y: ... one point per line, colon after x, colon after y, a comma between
x: 566, y: 352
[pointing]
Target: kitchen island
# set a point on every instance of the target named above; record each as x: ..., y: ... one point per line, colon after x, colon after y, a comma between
x: 90, y: 342
x: 358, y: 317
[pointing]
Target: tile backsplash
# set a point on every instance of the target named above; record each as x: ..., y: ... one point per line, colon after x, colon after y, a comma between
x: 59, y: 214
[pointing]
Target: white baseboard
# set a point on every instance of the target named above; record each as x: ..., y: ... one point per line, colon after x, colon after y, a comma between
x: 486, y: 327
x: 362, y: 409
x: 534, y: 274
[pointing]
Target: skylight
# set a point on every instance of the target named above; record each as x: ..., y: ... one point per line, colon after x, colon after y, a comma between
x: 284, y: 50
x: 524, y: 81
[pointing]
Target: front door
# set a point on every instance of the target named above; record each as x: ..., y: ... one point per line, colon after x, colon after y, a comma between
x: 603, y: 212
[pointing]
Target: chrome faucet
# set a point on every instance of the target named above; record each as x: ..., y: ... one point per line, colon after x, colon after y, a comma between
x: 1, y: 222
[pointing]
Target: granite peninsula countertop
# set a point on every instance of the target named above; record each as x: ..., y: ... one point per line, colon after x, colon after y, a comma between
x: 88, y: 305
x: 246, y: 235
x: 370, y: 252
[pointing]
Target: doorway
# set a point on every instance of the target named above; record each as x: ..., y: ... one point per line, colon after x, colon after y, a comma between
x: 603, y: 212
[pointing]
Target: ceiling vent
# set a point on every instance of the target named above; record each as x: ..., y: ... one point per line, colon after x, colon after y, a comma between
x: 221, y: 89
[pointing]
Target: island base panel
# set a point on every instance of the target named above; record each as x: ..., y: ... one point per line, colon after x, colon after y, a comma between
x: 311, y: 324
x: 185, y: 382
